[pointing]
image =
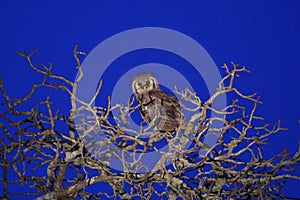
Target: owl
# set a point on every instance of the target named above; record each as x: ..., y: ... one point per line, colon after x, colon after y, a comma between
x: 161, y: 110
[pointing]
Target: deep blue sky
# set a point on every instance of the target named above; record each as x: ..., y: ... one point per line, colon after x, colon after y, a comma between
x: 264, y: 36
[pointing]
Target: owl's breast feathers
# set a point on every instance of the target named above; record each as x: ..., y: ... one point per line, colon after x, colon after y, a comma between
x: 161, y: 109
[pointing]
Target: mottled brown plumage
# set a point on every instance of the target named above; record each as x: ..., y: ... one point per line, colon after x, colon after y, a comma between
x: 160, y: 109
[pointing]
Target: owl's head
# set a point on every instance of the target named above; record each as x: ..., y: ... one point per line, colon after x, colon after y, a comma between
x: 143, y: 83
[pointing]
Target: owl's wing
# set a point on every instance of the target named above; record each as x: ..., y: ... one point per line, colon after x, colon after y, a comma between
x: 169, y: 102
x: 164, y: 98
x: 161, y: 110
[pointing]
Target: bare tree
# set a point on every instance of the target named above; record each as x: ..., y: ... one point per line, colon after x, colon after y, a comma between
x: 52, y: 157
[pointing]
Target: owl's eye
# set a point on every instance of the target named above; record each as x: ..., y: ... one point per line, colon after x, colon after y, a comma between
x: 139, y: 84
x: 148, y: 83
